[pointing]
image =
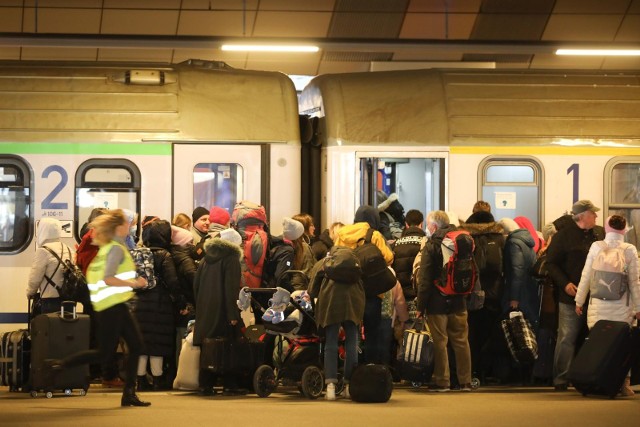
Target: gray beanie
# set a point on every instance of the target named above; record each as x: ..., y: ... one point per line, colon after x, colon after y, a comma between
x: 548, y: 230
x: 292, y: 229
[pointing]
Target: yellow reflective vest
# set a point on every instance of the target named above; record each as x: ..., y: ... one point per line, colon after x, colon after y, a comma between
x: 102, y: 295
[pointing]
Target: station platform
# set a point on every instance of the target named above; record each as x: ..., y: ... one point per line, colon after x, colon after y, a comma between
x: 487, y: 406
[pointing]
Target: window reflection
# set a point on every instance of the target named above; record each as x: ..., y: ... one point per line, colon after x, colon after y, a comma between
x: 217, y: 184
x: 625, y: 191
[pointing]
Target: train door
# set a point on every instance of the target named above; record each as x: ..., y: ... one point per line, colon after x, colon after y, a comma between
x: 513, y: 187
x: 418, y: 180
x: 216, y: 175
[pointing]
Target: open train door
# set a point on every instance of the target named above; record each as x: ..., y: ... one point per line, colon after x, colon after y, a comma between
x: 417, y: 178
x: 217, y: 175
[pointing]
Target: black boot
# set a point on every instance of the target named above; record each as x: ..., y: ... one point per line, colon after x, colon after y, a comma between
x: 143, y: 384
x: 157, y: 383
x: 129, y: 398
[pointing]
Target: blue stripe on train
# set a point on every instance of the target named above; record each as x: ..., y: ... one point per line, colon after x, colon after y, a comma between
x: 14, y: 317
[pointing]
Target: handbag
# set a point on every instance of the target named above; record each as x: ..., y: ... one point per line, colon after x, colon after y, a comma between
x: 520, y: 338
x: 228, y: 354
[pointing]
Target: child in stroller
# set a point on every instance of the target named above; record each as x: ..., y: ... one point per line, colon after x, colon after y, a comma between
x: 298, y: 348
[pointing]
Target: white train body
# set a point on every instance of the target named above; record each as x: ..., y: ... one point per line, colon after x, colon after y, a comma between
x: 137, y: 137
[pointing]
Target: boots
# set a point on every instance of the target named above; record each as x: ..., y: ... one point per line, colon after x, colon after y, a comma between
x: 129, y: 398
x: 143, y: 384
x: 157, y: 383
x: 626, y: 388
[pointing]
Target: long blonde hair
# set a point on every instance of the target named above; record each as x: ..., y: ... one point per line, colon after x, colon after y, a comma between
x: 104, y: 226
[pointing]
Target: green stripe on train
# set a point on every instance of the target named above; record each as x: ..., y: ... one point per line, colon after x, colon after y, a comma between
x: 80, y: 148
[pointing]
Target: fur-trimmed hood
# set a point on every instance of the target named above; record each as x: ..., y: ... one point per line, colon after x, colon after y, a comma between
x: 386, y: 203
x: 483, y: 228
x: 219, y: 248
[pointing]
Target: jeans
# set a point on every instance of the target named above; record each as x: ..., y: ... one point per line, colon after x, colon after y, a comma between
x: 331, y: 351
x: 385, y: 338
x: 371, y: 323
x: 569, y: 327
x: 451, y: 328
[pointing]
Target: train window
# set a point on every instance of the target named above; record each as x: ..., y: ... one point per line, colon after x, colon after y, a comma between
x: 512, y: 186
x: 622, y: 193
x: 217, y: 184
x: 108, y: 184
x: 15, y: 204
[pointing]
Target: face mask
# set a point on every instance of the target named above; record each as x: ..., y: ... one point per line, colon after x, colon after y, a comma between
x: 133, y: 229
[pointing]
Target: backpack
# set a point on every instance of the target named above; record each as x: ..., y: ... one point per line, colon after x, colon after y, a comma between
x: 143, y: 259
x: 342, y: 265
x: 459, y: 271
x: 608, y: 273
x: 250, y: 220
x: 73, y: 281
x: 376, y: 277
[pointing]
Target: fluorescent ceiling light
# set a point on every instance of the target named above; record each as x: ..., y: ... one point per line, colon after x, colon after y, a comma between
x: 269, y: 48
x: 599, y: 52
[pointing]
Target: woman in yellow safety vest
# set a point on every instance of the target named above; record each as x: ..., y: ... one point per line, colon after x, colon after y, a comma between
x: 111, y: 278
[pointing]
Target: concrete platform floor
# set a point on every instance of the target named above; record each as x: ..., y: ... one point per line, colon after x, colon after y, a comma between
x: 488, y: 406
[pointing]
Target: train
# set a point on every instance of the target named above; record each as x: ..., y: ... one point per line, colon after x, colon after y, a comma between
x: 162, y: 139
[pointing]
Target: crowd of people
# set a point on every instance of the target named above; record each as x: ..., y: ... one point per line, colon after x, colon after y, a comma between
x: 200, y: 263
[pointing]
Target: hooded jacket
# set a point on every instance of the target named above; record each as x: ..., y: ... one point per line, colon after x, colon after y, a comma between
x: 154, y: 308
x: 216, y: 287
x: 44, y: 263
x: 366, y: 217
x: 405, y: 250
x: 521, y: 286
x: 322, y: 245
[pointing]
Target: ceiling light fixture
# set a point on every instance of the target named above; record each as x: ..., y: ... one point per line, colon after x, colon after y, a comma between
x: 599, y: 52
x: 269, y: 48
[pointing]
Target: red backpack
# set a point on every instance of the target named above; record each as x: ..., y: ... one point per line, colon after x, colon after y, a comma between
x: 250, y: 220
x: 459, y: 271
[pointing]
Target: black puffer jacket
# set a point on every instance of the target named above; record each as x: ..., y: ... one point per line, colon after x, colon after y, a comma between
x: 405, y: 250
x: 154, y: 308
x: 322, y: 245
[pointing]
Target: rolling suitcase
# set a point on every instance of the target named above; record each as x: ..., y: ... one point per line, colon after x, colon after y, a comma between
x: 56, y: 336
x: 15, y: 352
x: 605, y: 358
x: 416, y: 362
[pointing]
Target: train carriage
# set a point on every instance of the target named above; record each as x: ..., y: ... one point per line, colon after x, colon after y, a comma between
x: 528, y: 142
x: 154, y: 139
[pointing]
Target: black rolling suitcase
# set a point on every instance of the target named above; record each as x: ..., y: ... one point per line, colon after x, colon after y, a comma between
x: 416, y: 362
x: 15, y: 353
x: 55, y: 336
x: 605, y: 358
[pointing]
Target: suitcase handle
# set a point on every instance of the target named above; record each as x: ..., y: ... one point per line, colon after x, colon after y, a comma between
x: 64, y: 315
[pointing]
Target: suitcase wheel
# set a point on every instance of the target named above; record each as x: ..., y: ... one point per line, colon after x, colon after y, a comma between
x: 49, y: 395
x: 416, y: 384
x: 83, y: 392
x: 34, y: 393
x: 475, y: 383
x: 67, y: 392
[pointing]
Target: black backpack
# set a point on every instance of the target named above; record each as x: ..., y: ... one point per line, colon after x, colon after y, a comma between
x: 73, y: 282
x: 342, y: 265
x: 376, y: 276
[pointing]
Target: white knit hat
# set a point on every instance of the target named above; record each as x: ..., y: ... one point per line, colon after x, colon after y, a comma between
x: 231, y: 235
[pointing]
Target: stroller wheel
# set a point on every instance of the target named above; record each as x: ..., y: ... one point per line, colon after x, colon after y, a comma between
x: 312, y: 382
x: 264, y: 381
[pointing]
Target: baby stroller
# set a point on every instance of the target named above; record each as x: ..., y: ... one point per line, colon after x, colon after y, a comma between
x: 298, y: 359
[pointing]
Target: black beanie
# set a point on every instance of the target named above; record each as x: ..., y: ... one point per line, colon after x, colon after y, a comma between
x: 198, y: 212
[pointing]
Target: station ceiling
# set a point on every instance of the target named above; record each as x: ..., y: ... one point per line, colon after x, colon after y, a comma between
x: 353, y: 35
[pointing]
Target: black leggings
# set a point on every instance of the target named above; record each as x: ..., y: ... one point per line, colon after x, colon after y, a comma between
x: 113, y: 323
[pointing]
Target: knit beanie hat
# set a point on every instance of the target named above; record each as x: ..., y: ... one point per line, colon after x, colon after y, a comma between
x: 231, y: 235
x: 292, y: 229
x: 199, y: 212
x: 180, y: 236
x: 615, y: 224
x: 548, y: 230
x: 509, y: 225
x: 219, y: 215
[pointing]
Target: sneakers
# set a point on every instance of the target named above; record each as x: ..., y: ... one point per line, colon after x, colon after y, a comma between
x: 466, y: 387
x: 330, y: 394
x: 345, y: 392
x: 439, y: 388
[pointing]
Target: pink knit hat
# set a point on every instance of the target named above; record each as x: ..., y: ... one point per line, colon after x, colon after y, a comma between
x: 180, y: 236
x: 614, y: 226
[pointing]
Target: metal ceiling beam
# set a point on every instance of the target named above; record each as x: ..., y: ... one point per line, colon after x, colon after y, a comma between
x: 332, y: 44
